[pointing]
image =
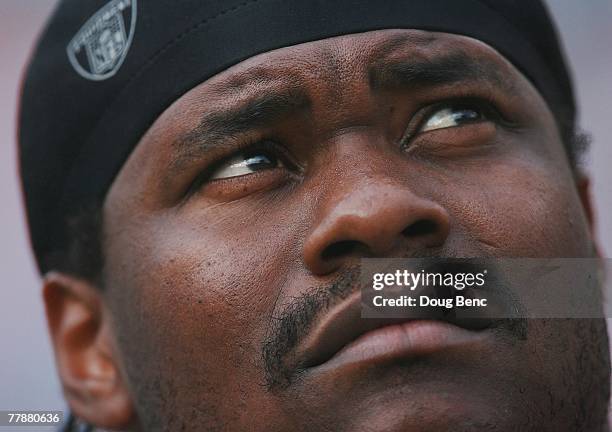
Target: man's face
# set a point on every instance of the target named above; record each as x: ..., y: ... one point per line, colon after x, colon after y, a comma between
x: 234, y: 230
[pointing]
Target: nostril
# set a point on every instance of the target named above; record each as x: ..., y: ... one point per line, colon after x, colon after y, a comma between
x: 339, y: 249
x: 420, y: 228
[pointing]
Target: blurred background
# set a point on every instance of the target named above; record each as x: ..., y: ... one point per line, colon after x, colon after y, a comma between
x: 27, y: 372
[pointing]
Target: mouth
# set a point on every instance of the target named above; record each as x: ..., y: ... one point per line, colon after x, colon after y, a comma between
x: 342, y: 337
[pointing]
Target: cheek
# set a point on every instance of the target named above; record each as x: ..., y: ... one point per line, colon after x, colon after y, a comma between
x: 524, y: 209
x: 203, y: 294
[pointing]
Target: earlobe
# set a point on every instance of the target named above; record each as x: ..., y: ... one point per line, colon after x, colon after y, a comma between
x: 85, y: 353
x: 583, y: 184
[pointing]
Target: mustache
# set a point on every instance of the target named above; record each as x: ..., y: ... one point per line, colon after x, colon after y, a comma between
x: 292, y: 325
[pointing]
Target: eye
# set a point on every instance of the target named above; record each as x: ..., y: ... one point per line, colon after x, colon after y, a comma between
x: 452, y: 116
x: 245, y: 163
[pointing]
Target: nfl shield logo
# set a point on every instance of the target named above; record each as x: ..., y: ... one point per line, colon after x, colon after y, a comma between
x: 99, y: 48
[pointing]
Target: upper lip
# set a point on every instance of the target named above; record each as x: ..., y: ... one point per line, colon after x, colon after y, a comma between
x: 343, y: 324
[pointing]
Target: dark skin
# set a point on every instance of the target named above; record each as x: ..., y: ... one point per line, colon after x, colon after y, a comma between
x: 204, y: 252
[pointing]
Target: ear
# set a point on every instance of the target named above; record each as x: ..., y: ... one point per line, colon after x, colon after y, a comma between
x: 583, y: 184
x: 85, y: 353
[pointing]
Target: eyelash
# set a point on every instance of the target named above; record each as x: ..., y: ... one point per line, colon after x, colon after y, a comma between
x: 263, y: 145
x: 485, y: 106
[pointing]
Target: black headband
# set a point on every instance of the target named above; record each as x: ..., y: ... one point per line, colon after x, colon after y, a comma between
x: 105, y: 69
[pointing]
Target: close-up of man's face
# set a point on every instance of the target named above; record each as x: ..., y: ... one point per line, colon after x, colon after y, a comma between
x: 214, y: 284
x: 232, y: 234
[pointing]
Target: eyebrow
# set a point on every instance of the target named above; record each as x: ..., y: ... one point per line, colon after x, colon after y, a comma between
x: 261, y: 111
x: 444, y: 70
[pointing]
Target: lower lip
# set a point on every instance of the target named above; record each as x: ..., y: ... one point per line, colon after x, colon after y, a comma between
x: 409, y: 339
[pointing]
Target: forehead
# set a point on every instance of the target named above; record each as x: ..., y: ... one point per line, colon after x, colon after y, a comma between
x: 343, y: 59
x: 333, y: 67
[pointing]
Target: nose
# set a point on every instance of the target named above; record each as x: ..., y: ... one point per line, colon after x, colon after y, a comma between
x: 374, y: 221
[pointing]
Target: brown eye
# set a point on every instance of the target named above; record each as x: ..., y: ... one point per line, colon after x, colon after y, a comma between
x: 246, y: 163
x: 452, y: 116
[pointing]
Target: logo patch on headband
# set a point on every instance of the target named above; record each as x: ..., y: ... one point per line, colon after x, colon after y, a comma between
x: 99, y: 48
